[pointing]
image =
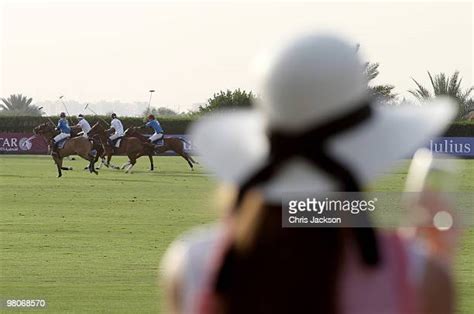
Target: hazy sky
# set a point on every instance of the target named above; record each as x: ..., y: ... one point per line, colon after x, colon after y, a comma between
x: 189, y: 50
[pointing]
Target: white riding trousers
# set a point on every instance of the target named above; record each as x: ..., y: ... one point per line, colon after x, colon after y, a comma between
x: 156, y: 136
x: 61, y: 136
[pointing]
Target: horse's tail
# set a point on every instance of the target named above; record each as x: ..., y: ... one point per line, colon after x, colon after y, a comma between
x: 182, y: 139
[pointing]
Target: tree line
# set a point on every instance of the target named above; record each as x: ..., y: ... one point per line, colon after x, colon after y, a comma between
x: 440, y: 85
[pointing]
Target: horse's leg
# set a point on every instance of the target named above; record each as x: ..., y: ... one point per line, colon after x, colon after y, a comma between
x: 179, y: 149
x: 92, y: 160
x: 92, y: 165
x: 65, y: 152
x: 129, y: 168
x: 125, y: 165
x: 59, y: 164
x: 103, y: 160
x: 152, y: 167
x: 149, y: 151
x: 184, y: 155
x: 133, y: 159
x: 126, y: 148
x: 86, y: 154
x: 103, y: 156
x: 113, y: 166
x: 96, y: 157
x: 192, y: 159
x: 143, y: 152
x: 65, y: 168
x: 109, y: 157
x: 87, y: 157
x: 189, y: 161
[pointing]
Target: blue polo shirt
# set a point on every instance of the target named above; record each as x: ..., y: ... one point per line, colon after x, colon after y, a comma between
x: 155, y: 125
x: 63, y: 126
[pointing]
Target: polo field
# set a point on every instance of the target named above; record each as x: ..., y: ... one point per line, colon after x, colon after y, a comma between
x: 87, y: 243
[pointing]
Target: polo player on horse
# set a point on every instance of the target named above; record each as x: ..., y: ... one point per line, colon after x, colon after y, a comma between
x: 117, y: 126
x: 156, y: 126
x: 65, y: 132
x: 82, y: 124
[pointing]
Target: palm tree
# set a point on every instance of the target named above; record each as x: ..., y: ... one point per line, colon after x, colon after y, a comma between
x: 446, y: 86
x: 378, y: 91
x: 19, y: 105
x: 371, y: 71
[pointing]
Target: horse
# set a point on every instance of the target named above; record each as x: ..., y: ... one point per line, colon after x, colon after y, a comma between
x: 130, y: 146
x: 77, y: 145
x: 169, y: 144
x: 96, y: 145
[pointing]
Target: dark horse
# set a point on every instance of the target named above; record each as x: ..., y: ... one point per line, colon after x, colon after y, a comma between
x: 173, y: 144
x: 77, y: 145
x: 130, y: 146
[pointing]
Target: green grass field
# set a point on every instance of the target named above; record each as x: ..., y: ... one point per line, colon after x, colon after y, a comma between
x: 89, y: 243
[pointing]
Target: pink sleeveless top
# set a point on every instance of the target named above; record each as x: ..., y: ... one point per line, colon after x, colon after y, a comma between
x: 388, y: 289
x: 385, y: 290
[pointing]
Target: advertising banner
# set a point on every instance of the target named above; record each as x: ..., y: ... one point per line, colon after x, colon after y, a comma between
x: 457, y: 146
x: 28, y: 143
x: 22, y: 143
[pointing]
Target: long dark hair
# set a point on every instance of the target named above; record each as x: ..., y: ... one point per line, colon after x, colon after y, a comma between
x: 282, y: 270
x: 291, y: 270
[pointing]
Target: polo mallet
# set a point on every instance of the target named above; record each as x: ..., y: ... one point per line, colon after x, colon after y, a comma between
x: 149, y: 102
x: 54, y: 126
x: 95, y: 114
x: 49, y: 119
x: 64, y: 105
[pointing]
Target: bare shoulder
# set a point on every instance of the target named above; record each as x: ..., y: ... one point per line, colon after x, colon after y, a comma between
x: 188, y: 241
x: 182, y: 266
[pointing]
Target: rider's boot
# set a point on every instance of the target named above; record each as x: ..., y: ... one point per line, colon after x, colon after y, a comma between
x: 54, y: 149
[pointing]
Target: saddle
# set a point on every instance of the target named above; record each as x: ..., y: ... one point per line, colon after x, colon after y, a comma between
x: 116, y: 143
x: 159, y: 142
x: 62, y: 142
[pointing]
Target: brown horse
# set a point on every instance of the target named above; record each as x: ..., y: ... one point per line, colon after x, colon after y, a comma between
x: 96, y: 145
x: 130, y: 146
x: 170, y: 144
x: 77, y: 145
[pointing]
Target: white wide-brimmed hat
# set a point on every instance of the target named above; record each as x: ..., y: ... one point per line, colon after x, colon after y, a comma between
x: 313, y: 80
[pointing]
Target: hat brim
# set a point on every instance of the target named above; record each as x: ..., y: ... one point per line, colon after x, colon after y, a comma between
x: 234, y: 145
